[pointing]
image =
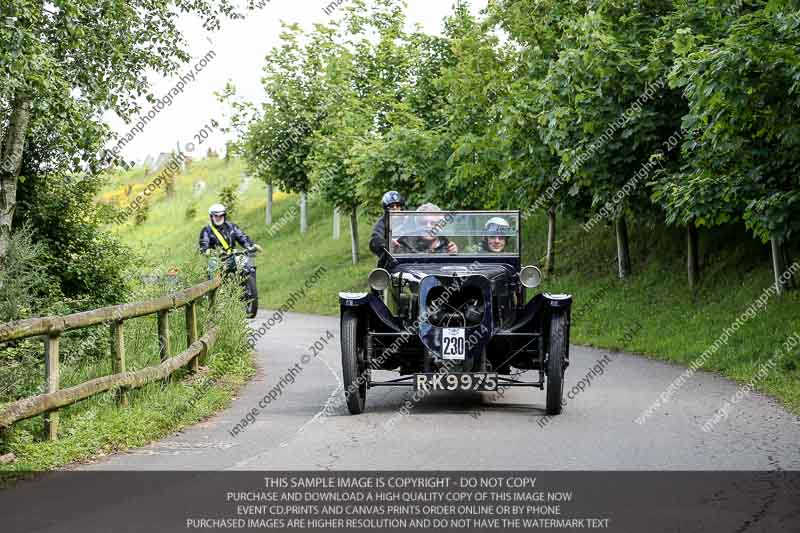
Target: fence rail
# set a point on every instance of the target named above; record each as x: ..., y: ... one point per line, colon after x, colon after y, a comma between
x: 51, y: 328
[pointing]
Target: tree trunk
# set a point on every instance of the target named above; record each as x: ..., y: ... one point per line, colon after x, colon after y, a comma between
x: 303, y: 212
x: 337, y: 224
x: 179, y: 157
x: 778, y: 266
x: 692, y: 257
x: 550, y: 258
x: 268, y: 216
x: 623, y: 251
x: 10, y: 165
x: 354, y: 235
x: 787, y: 263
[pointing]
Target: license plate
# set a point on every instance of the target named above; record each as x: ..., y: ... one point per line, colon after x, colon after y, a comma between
x: 455, y: 382
x: 454, y: 347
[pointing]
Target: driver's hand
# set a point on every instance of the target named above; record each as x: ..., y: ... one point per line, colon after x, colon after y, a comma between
x: 395, y: 244
x: 452, y: 248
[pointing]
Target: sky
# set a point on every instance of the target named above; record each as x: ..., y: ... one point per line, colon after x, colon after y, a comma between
x: 237, y: 54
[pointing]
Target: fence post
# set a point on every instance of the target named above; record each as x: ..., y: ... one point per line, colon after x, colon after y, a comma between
x: 191, y: 331
x: 212, y: 299
x: 163, y: 335
x: 118, y: 354
x: 53, y: 378
x: 212, y: 296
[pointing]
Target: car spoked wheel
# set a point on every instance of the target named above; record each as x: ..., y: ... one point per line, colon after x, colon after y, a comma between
x: 555, y: 362
x: 353, y: 364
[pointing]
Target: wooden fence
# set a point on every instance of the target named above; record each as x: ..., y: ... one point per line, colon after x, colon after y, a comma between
x: 51, y: 328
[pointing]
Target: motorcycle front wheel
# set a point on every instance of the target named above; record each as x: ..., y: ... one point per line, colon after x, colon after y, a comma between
x: 251, y: 295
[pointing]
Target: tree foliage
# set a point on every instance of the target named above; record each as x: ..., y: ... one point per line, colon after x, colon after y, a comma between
x: 63, y: 64
x: 684, y: 110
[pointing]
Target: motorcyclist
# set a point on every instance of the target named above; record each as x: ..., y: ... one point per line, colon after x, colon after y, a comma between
x: 220, y: 233
x: 391, y: 201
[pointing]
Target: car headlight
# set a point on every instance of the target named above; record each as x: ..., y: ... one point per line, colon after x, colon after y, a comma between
x: 530, y: 276
x: 379, y: 279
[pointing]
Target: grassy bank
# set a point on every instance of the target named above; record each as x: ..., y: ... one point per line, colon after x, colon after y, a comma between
x: 670, y: 321
x: 96, y: 426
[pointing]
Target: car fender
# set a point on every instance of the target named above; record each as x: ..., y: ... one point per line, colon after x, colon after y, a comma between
x: 368, y: 305
x: 540, y: 307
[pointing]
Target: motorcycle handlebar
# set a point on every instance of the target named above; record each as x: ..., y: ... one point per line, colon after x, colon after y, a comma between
x: 247, y: 251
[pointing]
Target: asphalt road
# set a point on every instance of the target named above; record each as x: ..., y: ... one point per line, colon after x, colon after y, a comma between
x: 444, y: 431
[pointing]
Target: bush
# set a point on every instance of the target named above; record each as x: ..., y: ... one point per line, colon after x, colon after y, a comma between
x: 229, y: 198
x: 141, y: 213
x: 191, y: 212
x: 86, y: 264
x: 23, y: 276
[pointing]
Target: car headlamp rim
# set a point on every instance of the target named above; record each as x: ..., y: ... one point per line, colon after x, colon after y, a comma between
x: 530, y: 276
x: 379, y: 279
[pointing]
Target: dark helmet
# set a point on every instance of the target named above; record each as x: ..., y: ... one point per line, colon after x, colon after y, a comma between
x: 392, y: 197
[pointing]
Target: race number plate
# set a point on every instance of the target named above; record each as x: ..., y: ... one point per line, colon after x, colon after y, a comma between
x: 454, y: 346
x: 454, y: 382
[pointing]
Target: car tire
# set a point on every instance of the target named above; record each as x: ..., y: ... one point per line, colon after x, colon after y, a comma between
x: 352, y: 364
x: 251, y: 293
x: 555, y: 362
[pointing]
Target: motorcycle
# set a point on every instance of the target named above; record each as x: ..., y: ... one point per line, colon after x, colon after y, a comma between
x: 238, y: 262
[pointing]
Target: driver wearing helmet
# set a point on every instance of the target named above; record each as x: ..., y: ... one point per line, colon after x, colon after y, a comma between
x: 221, y: 233
x: 495, y: 236
x: 430, y: 223
x: 391, y: 201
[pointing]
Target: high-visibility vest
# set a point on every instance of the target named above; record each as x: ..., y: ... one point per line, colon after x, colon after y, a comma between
x: 220, y: 238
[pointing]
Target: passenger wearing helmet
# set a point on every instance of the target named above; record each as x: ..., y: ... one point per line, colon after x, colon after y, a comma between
x: 221, y: 233
x: 391, y: 201
x: 495, y: 237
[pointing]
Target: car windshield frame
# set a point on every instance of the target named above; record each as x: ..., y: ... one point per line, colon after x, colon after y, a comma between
x: 448, y: 228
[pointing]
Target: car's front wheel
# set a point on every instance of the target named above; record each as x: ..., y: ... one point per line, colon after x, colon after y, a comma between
x: 353, y: 371
x: 555, y: 362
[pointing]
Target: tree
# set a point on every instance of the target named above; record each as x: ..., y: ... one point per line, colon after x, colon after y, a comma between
x: 743, y: 154
x: 364, y: 60
x: 278, y: 141
x: 690, y: 25
x: 62, y: 65
x: 473, y: 81
x: 409, y: 153
x: 600, y: 119
x: 531, y: 166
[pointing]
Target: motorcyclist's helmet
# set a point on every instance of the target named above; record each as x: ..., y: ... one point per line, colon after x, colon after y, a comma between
x: 391, y: 198
x: 216, y: 210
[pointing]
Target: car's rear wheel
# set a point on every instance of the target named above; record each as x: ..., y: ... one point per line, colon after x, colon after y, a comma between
x: 555, y: 362
x: 353, y: 371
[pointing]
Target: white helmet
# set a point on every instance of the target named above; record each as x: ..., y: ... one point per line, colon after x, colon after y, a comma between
x: 497, y: 226
x: 216, y: 209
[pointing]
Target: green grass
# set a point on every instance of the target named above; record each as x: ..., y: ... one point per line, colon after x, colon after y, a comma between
x: 669, y: 321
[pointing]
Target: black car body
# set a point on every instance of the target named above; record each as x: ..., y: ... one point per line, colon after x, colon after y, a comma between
x: 454, y: 320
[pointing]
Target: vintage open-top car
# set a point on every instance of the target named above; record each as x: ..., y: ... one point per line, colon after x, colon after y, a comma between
x: 449, y: 311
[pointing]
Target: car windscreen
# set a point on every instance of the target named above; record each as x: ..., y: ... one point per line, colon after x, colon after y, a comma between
x: 473, y: 233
